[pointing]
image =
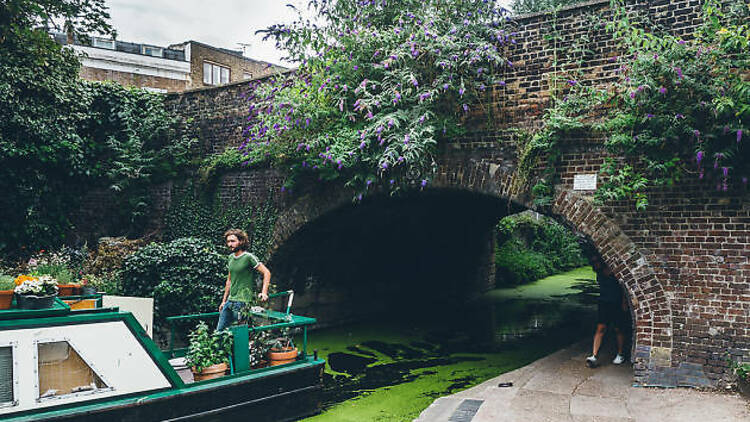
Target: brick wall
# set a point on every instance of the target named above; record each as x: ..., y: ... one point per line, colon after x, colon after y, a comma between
x: 683, y: 262
x: 132, y: 79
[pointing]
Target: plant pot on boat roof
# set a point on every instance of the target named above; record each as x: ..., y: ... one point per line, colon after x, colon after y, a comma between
x: 282, y: 349
x: 208, y: 352
x: 6, y: 291
x: 35, y: 292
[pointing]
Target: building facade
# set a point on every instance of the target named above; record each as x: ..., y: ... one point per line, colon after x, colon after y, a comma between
x: 175, y: 68
x: 213, y: 66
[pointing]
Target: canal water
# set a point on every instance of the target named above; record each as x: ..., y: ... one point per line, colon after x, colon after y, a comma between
x: 392, y: 367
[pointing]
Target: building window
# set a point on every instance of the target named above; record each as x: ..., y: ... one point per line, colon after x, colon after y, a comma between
x: 103, y: 43
x: 62, y: 371
x: 7, y: 397
x: 214, y: 74
x: 247, y: 75
x: 153, y: 51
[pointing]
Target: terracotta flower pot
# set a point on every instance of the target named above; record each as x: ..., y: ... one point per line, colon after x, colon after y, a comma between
x: 6, y: 299
x: 68, y: 289
x: 282, y: 356
x: 210, y: 372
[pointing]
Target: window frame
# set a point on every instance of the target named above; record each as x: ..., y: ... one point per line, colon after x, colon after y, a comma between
x: 13, y: 344
x: 110, y: 43
x: 38, y: 399
x: 212, y: 67
x: 144, y: 47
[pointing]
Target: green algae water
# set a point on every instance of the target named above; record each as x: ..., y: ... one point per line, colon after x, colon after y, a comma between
x: 393, y: 367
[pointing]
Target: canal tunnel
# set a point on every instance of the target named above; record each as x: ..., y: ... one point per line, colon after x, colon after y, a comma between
x: 392, y: 253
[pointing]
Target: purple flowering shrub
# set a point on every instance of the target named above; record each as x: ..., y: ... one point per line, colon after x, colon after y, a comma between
x: 681, y: 108
x: 379, y: 85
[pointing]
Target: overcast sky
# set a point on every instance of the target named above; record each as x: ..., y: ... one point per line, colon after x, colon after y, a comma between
x: 221, y: 23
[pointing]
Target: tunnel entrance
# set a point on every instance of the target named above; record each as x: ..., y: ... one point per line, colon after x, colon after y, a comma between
x: 408, y: 251
x: 405, y: 290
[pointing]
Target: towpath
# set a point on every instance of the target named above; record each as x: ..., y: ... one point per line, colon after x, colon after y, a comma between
x: 559, y: 388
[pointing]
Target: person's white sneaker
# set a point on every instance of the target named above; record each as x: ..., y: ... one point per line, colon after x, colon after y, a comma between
x: 618, y: 360
x: 592, y: 361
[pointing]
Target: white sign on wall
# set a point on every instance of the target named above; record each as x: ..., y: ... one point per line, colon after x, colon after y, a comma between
x: 584, y: 182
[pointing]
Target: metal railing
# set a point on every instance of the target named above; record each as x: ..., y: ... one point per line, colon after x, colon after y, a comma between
x: 279, y: 320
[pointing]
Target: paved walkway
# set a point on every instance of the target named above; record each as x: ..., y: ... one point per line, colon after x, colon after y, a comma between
x: 559, y: 388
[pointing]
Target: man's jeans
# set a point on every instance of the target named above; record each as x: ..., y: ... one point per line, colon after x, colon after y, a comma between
x: 229, y: 314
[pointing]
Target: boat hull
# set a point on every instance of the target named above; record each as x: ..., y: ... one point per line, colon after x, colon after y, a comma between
x: 284, y: 396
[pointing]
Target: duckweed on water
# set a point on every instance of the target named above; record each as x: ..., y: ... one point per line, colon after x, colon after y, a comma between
x: 391, y: 370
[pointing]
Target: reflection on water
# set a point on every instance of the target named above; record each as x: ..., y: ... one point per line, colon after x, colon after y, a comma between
x: 393, y: 367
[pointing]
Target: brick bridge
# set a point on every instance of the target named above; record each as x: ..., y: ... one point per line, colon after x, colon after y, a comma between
x: 683, y: 262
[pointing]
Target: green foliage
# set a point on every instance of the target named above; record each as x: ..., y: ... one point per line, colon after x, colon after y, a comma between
x: 191, y: 215
x: 515, y: 264
x: 183, y: 276
x: 521, y: 7
x: 58, y: 133
x: 742, y: 370
x: 6, y: 282
x: 213, y: 166
x: 371, y: 109
x: 208, y: 347
x: 530, y: 249
x: 108, y: 283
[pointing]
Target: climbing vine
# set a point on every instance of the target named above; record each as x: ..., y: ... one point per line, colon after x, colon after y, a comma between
x: 680, y: 107
x: 566, y: 115
x: 206, y: 216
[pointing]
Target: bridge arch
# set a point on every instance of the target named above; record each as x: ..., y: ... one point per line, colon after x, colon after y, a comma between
x: 652, y: 315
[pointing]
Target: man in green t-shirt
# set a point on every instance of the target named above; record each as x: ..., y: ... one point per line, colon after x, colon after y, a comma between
x: 240, y: 285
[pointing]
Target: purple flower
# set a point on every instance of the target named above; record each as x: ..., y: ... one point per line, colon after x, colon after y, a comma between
x: 697, y: 133
x: 406, y: 139
x: 424, y: 182
x: 699, y: 157
x: 725, y: 171
x: 572, y: 82
x: 681, y: 42
x: 461, y: 92
x: 362, y: 145
x: 662, y: 90
x: 679, y: 116
x: 421, y: 119
x: 369, y: 182
x: 679, y: 72
x: 415, y: 82
x: 739, y: 135
x: 446, y: 86
x: 391, y: 181
x: 649, y: 115
x: 466, y: 107
x: 502, y: 83
x: 632, y: 94
x: 384, y: 165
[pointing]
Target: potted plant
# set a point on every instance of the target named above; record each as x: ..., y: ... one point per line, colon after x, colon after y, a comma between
x: 6, y: 291
x: 89, y: 284
x: 742, y: 370
x: 208, y: 352
x: 282, y: 349
x: 35, y: 292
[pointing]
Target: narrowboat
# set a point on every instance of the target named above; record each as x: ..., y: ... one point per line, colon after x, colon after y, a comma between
x: 98, y: 363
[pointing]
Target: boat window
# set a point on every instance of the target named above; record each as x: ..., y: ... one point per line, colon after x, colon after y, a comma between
x: 62, y: 371
x: 6, y: 375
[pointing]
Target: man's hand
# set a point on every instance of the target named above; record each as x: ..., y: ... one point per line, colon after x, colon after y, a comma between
x: 263, y: 296
x: 222, y: 306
